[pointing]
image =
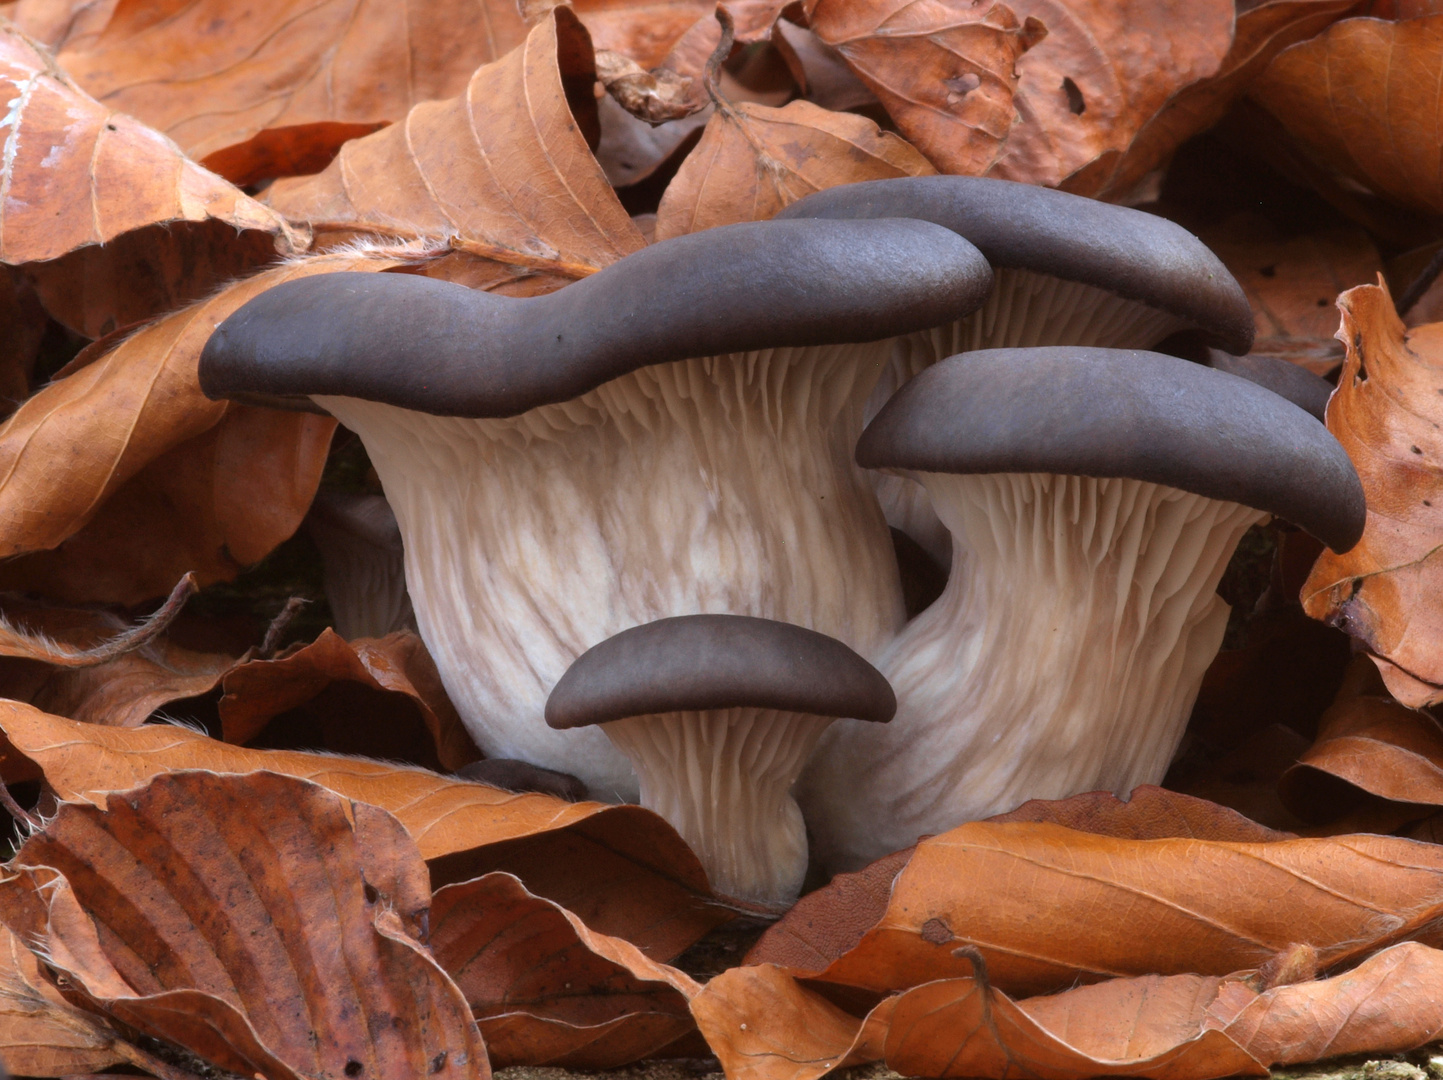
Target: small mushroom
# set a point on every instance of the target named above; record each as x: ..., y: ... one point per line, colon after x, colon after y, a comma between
x: 1099, y: 494
x: 1070, y: 271
x: 361, y: 551
x: 717, y: 714
x: 672, y: 435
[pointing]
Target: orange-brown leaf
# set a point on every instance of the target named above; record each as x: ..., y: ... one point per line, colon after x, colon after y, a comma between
x: 396, y: 667
x: 76, y: 172
x: 1386, y: 413
x: 1364, y: 97
x: 274, y: 88
x: 1149, y: 813
x: 504, y: 165
x: 257, y: 920
x: 752, y: 161
x: 620, y: 868
x: 944, y: 71
x: 546, y: 989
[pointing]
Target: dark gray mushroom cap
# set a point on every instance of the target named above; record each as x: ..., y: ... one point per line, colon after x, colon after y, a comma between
x: 440, y: 348
x: 1307, y: 391
x: 700, y: 662
x: 1121, y: 413
x: 1127, y: 252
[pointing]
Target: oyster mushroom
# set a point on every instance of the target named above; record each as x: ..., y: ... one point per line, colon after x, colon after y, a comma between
x: 670, y: 436
x: 1070, y: 271
x: 1099, y: 494
x: 361, y: 554
x: 717, y: 714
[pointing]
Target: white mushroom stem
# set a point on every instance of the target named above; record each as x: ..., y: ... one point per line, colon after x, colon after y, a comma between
x: 364, y: 578
x: 723, y: 780
x: 1064, y: 656
x: 1023, y: 310
x: 717, y: 485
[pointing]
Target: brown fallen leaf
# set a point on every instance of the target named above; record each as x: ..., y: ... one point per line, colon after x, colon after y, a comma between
x: 275, y: 88
x: 1260, y: 32
x: 382, y: 690
x: 1363, y: 97
x: 1292, y: 284
x: 1384, y: 413
x: 1047, y: 906
x: 41, y: 1034
x: 77, y: 172
x: 547, y: 990
x: 752, y: 161
x: 621, y: 869
x: 259, y: 921
x: 831, y: 921
x: 764, y: 1026
x: 504, y: 167
x: 944, y: 71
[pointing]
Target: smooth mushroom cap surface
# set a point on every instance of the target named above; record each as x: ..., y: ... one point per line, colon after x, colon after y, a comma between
x: 440, y: 348
x: 700, y: 663
x: 1307, y: 391
x: 1126, y: 414
x: 1128, y: 252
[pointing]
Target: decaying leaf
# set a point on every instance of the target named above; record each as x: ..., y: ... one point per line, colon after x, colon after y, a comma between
x: 621, y: 869
x: 273, y: 89
x: 1385, y: 413
x: 547, y: 990
x: 504, y: 167
x: 1363, y: 96
x: 360, y: 719
x: 944, y: 71
x: 76, y: 172
x: 259, y: 921
x: 752, y: 161
x: 1149, y: 813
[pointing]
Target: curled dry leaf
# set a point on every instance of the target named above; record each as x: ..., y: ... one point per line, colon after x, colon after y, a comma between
x: 275, y: 88
x: 944, y: 71
x: 1386, y: 413
x: 260, y: 922
x: 1261, y: 31
x: 753, y: 160
x: 1364, y: 97
x: 1047, y: 906
x: 620, y: 868
x: 42, y: 1034
x: 396, y: 667
x: 547, y: 990
x: 504, y: 167
x: 1102, y: 72
x: 832, y: 920
x: 763, y: 1026
x: 1292, y: 284
x: 76, y: 172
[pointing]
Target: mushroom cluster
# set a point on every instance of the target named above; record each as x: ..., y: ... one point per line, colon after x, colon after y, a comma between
x: 644, y: 537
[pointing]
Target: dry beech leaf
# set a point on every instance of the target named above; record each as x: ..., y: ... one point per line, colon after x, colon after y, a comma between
x: 832, y: 920
x: 622, y: 869
x: 944, y: 71
x: 1261, y: 32
x: 274, y: 88
x: 1386, y: 413
x: 752, y: 161
x: 41, y: 1034
x: 763, y: 1026
x: 1363, y: 97
x: 394, y: 667
x: 547, y: 990
x: 504, y: 167
x: 644, y: 30
x: 55, y: 23
x: 1048, y: 906
x: 76, y: 172
x: 1292, y: 284
x: 260, y: 921
x: 1103, y: 71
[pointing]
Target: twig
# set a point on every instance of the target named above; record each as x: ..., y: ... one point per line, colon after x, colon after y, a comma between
x: 278, y: 625
x: 711, y: 77
x: 14, y: 809
x: 39, y: 647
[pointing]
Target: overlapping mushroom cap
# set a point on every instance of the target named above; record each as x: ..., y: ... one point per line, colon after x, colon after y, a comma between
x: 1099, y: 494
x: 670, y: 436
x: 718, y: 714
